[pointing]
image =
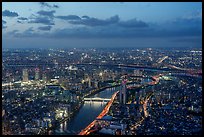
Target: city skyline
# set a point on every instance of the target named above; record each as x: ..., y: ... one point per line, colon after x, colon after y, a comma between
x: 101, y: 24
x: 102, y: 68
x: 102, y: 91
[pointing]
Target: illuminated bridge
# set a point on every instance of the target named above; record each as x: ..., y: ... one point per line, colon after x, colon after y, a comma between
x: 97, y: 99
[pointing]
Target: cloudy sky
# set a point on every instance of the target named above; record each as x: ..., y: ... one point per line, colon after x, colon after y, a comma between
x: 101, y: 24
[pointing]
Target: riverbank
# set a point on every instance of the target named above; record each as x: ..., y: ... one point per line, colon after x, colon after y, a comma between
x: 103, y: 88
x: 94, y: 92
x: 72, y: 116
x: 52, y: 128
x: 85, y: 131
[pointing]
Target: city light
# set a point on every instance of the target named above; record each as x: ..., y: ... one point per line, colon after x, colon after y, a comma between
x: 68, y: 70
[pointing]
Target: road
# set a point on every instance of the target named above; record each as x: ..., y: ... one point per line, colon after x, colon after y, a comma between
x: 86, y: 130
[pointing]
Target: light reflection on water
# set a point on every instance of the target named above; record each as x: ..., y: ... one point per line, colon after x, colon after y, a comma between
x: 88, y: 112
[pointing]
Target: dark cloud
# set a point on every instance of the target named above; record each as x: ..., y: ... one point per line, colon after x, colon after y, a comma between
x: 13, y: 32
x: 49, y: 14
x: 193, y: 15
x: 16, y: 33
x: 96, y: 22
x: 193, y: 39
x: 55, y: 6
x: 194, y: 20
x: 86, y: 17
x: 27, y: 33
x: 181, y: 27
x: 8, y: 13
x: 18, y: 21
x: 187, y: 21
x: 44, y: 4
x: 69, y: 17
x: 113, y: 27
x: 132, y: 29
x: 42, y: 20
x: 133, y: 23
x: 3, y: 24
x: 184, y: 23
x: 43, y: 17
x: 81, y: 32
x: 22, y: 18
x: 88, y: 21
x: 110, y: 31
x: 45, y: 28
x: 29, y: 30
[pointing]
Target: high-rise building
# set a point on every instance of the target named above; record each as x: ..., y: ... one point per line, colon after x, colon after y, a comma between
x: 56, y: 63
x: 37, y: 74
x: 138, y: 73
x: 137, y: 97
x: 89, y: 82
x: 123, y: 95
x: 25, y: 75
x: 96, y: 85
x: 46, y: 76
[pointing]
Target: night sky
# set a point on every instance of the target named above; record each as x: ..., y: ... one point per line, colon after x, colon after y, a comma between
x: 101, y: 24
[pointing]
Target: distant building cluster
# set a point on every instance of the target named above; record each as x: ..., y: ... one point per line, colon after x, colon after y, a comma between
x: 160, y: 90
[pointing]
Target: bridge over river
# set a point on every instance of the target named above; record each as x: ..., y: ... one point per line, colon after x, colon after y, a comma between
x: 96, y: 99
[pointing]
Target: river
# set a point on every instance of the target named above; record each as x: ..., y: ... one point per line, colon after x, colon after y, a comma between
x: 87, y: 113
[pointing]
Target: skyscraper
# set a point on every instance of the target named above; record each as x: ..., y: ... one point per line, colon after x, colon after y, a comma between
x: 89, y: 81
x: 123, y: 96
x: 46, y: 76
x: 25, y: 75
x: 37, y: 74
